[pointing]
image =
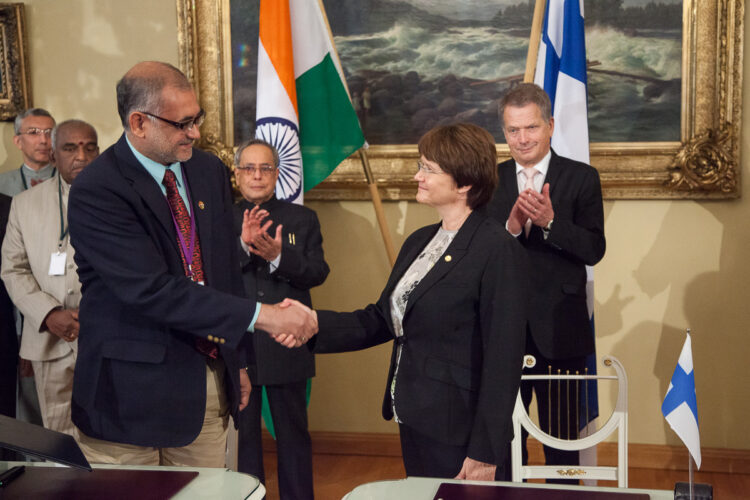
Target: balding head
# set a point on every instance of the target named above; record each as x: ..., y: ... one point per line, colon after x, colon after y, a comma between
x: 74, y: 147
x: 141, y: 88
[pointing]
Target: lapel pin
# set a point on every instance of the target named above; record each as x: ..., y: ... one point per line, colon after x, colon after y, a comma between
x: 201, y: 205
x: 448, y: 258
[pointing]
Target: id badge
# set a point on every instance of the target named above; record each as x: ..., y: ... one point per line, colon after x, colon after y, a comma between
x: 57, y: 264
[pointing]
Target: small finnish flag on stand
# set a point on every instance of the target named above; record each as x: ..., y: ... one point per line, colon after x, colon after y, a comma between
x: 680, y: 406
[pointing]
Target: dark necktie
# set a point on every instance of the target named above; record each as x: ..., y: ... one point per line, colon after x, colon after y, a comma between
x: 193, y: 271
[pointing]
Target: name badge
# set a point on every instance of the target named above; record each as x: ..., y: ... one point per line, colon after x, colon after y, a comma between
x: 57, y: 264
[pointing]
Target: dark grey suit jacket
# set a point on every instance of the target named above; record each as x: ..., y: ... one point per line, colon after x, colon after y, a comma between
x: 558, y: 318
x: 464, y: 337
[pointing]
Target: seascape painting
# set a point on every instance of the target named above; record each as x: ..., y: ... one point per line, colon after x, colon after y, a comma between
x: 414, y: 64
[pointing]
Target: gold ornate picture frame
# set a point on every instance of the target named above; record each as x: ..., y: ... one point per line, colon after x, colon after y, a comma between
x: 15, y: 81
x: 704, y: 164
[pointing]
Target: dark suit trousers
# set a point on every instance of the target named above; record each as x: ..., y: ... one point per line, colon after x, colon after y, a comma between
x: 557, y: 404
x: 289, y: 411
x: 426, y: 457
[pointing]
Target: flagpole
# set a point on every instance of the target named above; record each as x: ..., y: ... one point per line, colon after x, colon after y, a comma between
x: 372, y: 184
x: 534, y: 38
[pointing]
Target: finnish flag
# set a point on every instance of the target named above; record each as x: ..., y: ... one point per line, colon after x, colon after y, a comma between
x: 561, y: 72
x: 680, y: 406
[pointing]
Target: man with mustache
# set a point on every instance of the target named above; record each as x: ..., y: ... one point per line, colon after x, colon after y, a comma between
x: 40, y: 275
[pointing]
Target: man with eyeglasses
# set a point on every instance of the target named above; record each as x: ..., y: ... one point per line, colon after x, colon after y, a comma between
x: 162, y: 311
x: 40, y: 275
x: 32, y: 130
x: 285, y: 259
x: 553, y: 206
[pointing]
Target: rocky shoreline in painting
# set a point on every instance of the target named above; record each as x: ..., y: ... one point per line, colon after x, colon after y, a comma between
x: 414, y: 64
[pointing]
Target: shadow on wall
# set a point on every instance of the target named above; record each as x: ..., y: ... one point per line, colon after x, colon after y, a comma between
x: 80, y: 48
x: 699, y: 271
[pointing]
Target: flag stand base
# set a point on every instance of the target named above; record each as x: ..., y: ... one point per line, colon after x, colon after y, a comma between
x: 700, y: 491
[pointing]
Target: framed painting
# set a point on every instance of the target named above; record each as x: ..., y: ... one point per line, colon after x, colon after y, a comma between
x: 664, y: 77
x: 15, y: 79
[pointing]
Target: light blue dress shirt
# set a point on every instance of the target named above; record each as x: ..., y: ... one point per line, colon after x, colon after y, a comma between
x: 157, y: 171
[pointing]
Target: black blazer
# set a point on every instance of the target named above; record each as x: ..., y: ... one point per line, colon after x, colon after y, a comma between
x: 302, y: 267
x: 139, y: 378
x: 8, y: 336
x: 464, y: 336
x: 558, y: 319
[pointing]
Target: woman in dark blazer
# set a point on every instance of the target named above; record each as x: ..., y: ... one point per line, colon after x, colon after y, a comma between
x: 454, y: 307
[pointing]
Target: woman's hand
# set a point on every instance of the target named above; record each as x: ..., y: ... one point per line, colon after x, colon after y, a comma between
x: 476, y: 471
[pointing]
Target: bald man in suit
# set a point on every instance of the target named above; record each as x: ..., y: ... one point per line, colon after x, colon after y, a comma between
x: 39, y: 272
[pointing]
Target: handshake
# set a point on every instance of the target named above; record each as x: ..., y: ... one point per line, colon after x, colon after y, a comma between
x: 289, y: 322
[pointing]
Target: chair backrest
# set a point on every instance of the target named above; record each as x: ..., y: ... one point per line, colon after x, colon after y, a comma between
x: 618, y: 421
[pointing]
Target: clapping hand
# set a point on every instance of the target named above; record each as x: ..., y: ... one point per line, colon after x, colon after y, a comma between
x: 252, y: 224
x: 534, y: 206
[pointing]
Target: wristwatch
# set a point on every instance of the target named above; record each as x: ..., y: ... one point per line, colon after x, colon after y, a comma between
x: 546, y: 229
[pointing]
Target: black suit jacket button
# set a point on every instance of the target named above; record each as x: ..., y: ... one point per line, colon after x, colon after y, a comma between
x: 261, y: 293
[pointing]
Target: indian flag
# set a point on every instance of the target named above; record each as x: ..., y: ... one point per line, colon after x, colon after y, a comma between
x: 303, y: 105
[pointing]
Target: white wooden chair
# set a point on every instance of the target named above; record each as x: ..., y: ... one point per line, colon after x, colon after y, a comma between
x: 618, y: 421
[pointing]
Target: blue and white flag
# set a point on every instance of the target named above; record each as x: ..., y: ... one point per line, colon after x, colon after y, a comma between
x: 680, y: 406
x: 561, y: 72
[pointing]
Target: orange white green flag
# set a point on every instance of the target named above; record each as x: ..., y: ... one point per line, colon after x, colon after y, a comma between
x: 303, y: 106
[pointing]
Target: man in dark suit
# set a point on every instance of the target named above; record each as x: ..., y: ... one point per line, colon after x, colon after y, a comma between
x: 285, y: 260
x: 8, y: 342
x: 553, y: 206
x: 161, y: 314
x: 8, y: 338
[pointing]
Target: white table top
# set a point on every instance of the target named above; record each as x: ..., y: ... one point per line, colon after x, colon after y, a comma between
x: 210, y: 483
x: 424, y: 488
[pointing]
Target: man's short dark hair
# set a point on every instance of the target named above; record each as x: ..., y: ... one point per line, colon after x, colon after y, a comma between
x: 253, y: 142
x: 71, y: 123
x: 523, y: 94
x: 29, y: 112
x: 467, y: 153
x: 143, y: 92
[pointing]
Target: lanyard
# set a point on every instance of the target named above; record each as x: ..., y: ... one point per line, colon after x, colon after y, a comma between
x: 23, y: 177
x: 186, y: 249
x: 63, y: 229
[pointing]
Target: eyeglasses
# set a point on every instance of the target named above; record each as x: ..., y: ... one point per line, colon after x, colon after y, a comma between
x: 427, y: 169
x: 264, y: 168
x: 33, y: 131
x: 196, y: 121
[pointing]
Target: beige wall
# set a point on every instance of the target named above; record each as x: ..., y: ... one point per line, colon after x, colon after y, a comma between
x: 78, y: 49
x: 669, y: 265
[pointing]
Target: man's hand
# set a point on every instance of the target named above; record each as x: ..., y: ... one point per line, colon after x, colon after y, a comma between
x: 252, y: 224
x: 536, y: 206
x: 63, y: 323
x: 289, y: 317
x: 245, y: 388
x: 476, y: 471
x: 266, y: 247
x: 517, y: 218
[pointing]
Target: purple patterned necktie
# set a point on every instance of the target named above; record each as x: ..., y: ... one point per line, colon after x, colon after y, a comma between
x: 194, y: 270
